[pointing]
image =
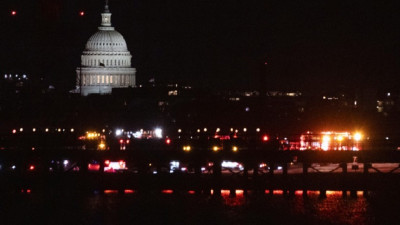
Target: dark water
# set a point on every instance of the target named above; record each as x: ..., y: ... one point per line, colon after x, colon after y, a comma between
x: 157, y: 208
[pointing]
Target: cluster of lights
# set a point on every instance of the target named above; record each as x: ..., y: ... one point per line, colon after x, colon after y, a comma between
x: 156, y: 133
x: 217, y: 130
x: 14, y: 131
x: 332, y: 141
x: 92, y: 135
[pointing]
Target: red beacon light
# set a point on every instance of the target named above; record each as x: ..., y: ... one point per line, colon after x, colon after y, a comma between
x: 13, y: 13
x: 167, y: 141
x: 121, y: 141
x: 265, y: 138
x: 31, y: 167
x: 81, y: 13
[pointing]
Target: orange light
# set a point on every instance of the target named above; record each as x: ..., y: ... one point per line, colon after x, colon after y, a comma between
x: 107, y: 162
x: 102, y: 146
x: 235, y: 148
x: 129, y: 191
x: 215, y: 148
x: 187, y: 148
x: 110, y: 191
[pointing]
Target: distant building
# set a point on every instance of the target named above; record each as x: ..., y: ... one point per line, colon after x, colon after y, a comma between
x: 105, y: 62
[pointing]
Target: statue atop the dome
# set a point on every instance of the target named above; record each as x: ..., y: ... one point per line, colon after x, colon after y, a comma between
x: 106, y: 9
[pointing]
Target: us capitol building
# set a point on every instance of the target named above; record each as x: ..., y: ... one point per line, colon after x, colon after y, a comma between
x: 105, y: 62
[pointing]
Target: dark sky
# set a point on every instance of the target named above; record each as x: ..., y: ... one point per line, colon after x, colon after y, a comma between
x: 310, y: 45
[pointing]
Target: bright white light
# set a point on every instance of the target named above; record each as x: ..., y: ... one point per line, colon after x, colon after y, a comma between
x: 21, y: 129
x: 113, y: 166
x: 118, y: 132
x: 47, y: 130
x: 325, y: 142
x: 158, y: 132
x: 72, y: 130
x: 231, y: 165
x: 357, y: 136
x: 34, y: 129
x: 137, y: 134
x: 13, y: 167
x: 218, y: 130
x: 179, y: 130
x: 65, y: 162
x: 258, y: 129
x: 245, y: 129
x: 387, y: 138
x: 205, y: 129
x: 174, y: 165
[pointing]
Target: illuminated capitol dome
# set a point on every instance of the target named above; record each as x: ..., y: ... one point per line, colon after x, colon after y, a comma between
x: 105, y: 62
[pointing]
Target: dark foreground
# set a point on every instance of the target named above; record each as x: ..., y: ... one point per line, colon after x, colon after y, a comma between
x: 187, y: 208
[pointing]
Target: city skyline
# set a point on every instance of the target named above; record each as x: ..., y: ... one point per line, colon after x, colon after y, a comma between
x: 308, y: 46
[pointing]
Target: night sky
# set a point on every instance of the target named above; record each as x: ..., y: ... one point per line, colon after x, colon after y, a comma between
x: 309, y: 45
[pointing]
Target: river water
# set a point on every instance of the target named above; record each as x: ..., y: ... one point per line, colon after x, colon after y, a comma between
x: 187, y: 208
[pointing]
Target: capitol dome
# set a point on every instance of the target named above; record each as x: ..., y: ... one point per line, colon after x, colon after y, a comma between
x: 105, y: 62
x: 106, y: 41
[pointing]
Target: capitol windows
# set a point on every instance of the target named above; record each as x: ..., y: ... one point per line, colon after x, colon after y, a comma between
x: 111, y: 79
x: 107, y: 79
x: 98, y: 79
x: 102, y: 79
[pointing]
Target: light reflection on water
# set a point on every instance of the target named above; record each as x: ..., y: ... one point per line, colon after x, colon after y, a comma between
x: 132, y: 207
